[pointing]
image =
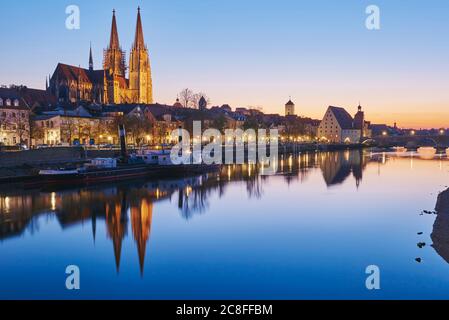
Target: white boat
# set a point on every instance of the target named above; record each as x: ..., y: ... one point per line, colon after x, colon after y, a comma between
x: 58, y: 172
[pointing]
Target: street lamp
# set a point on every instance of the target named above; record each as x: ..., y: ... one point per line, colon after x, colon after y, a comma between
x: 384, y: 133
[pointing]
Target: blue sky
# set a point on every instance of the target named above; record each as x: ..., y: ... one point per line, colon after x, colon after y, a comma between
x: 255, y: 52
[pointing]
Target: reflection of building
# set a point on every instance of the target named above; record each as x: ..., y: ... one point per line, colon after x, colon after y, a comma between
x: 141, y: 225
x: 338, y: 166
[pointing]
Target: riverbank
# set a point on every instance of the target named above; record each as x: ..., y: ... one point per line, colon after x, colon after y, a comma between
x: 22, y: 166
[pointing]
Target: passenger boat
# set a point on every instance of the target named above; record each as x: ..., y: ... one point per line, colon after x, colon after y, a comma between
x: 106, y: 170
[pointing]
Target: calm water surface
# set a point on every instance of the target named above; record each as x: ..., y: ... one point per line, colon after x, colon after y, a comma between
x: 308, y: 232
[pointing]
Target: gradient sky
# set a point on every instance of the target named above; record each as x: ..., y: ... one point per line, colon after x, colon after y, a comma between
x: 255, y: 52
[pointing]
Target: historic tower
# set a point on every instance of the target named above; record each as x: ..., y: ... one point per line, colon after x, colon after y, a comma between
x: 114, y: 57
x: 114, y: 68
x: 289, y: 108
x: 140, y: 83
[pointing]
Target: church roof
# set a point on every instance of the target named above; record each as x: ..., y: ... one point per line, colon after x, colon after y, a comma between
x: 73, y: 73
x: 290, y: 103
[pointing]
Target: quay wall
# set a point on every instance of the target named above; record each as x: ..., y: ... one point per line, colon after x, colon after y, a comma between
x: 52, y: 156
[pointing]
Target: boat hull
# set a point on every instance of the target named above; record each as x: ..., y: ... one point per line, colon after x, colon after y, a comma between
x: 120, y: 174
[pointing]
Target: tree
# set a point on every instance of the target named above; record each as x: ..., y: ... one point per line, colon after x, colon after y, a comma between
x: 68, y: 128
x: 189, y: 99
x: 138, y: 128
x: 22, y: 126
x: 185, y: 97
x: 37, y: 131
x: 196, y: 99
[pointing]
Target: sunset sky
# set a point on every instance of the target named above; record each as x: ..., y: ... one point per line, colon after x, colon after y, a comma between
x: 255, y: 52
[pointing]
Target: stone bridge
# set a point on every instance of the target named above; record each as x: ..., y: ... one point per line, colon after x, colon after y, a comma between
x: 415, y: 141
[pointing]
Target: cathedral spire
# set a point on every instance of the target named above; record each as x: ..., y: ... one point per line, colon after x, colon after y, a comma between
x: 114, y: 42
x: 139, y: 43
x: 91, y: 60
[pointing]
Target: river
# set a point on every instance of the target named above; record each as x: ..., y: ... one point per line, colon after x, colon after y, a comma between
x: 308, y: 232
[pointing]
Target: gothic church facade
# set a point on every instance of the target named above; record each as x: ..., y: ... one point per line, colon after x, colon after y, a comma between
x: 110, y: 85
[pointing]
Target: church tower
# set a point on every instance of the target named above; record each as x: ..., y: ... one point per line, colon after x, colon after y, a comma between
x: 289, y: 108
x: 140, y: 82
x: 91, y: 60
x: 115, y: 85
x: 114, y: 57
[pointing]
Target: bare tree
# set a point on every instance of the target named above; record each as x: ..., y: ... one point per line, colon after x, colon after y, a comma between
x: 22, y: 126
x: 138, y: 128
x: 185, y: 97
x: 196, y: 99
x: 68, y: 129
x: 37, y: 131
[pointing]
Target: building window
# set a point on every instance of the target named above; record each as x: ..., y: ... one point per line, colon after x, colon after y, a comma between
x: 1, y: 101
x: 8, y: 102
x: 14, y: 140
x: 23, y: 114
x: 4, y: 114
x: 16, y: 103
x: 13, y: 114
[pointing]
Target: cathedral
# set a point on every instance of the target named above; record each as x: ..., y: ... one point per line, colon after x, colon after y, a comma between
x: 109, y: 85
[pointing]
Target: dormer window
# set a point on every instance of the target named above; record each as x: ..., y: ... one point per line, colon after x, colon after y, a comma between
x: 8, y: 102
x: 1, y: 102
x: 16, y: 103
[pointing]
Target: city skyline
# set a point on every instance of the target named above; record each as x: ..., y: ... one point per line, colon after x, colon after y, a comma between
x: 246, y: 55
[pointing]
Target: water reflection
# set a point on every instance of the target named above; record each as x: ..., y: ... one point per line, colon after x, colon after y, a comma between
x: 128, y: 207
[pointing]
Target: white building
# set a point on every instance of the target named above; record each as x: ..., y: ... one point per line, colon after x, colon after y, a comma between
x: 338, y: 126
x: 14, y: 120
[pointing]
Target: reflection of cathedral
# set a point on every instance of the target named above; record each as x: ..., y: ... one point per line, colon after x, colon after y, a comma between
x: 128, y: 208
x: 109, y: 85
